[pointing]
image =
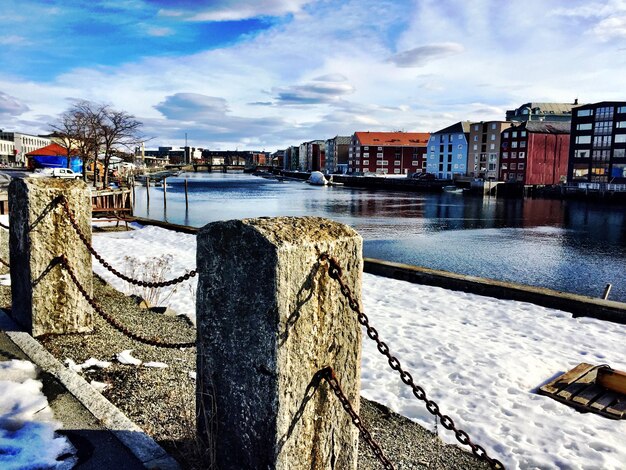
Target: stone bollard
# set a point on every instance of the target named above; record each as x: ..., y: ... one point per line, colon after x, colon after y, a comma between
x: 45, y: 300
x: 269, y: 317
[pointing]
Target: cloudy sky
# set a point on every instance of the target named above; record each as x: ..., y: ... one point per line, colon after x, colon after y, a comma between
x: 265, y: 74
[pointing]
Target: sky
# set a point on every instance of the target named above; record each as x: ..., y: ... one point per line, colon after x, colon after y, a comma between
x: 266, y: 74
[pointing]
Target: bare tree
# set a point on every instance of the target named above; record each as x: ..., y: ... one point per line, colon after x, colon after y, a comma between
x: 117, y: 129
x: 92, y: 128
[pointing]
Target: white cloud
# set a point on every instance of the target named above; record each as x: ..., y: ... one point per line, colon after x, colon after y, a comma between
x: 13, y: 40
x: 160, y: 32
x: 233, y: 10
x: 419, y: 56
x: 613, y: 27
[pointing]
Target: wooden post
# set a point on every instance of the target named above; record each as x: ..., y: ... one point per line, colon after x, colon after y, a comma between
x: 45, y: 300
x: 259, y: 347
x: 164, y: 192
x: 607, y: 291
x: 148, y: 190
x: 186, y: 196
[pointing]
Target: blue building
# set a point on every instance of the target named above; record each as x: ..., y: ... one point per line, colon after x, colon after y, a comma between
x: 447, y: 151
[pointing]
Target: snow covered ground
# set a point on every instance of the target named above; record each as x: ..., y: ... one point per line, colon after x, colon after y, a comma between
x: 27, y: 427
x: 481, y: 359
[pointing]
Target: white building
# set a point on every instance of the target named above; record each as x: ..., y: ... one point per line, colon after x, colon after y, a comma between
x: 22, y: 145
x: 7, y: 151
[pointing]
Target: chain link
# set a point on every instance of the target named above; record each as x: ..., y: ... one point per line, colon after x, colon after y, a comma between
x: 104, y: 263
x: 6, y: 227
x: 335, y: 272
x: 5, y: 263
x: 112, y: 321
x: 328, y: 374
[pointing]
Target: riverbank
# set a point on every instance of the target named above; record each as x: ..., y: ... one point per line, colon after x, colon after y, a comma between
x: 481, y: 359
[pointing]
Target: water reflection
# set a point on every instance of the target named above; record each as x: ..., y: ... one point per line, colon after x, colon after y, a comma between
x: 570, y: 246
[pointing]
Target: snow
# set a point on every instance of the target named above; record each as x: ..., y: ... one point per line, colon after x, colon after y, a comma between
x: 481, y: 359
x: 27, y: 427
x: 126, y: 358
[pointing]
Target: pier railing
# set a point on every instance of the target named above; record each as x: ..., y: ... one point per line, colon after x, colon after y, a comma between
x: 263, y: 357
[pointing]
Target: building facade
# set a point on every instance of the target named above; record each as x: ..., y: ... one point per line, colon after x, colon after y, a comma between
x: 484, y: 148
x: 22, y: 144
x: 542, y: 112
x: 598, y: 143
x: 7, y: 151
x: 337, y: 150
x: 448, y: 151
x: 394, y: 153
x: 535, y: 153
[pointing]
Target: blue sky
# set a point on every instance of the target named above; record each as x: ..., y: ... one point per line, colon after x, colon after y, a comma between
x: 264, y: 74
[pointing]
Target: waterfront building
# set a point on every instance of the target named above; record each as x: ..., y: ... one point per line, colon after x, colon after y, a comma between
x: 535, y: 153
x: 484, y: 148
x: 598, y: 143
x: 448, y: 151
x: 394, y: 153
x: 337, y: 150
x: 312, y: 155
x: 7, y: 151
x: 290, y: 160
x: 22, y: 144
x: 542, y: 112
x: 277, y: 158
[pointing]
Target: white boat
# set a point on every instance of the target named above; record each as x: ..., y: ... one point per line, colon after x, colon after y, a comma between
x: 317, y: 179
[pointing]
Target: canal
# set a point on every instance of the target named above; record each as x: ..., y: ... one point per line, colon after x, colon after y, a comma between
x: 570, y: 246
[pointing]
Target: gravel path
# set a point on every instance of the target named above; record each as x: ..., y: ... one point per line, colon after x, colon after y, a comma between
x: 162, y: 401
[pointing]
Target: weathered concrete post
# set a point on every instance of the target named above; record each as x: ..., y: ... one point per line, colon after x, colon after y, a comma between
x: 269, y: 317
x: 45, y: 300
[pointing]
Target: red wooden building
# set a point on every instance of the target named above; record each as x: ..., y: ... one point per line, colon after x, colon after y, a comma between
x: 535, y: 153
x: 394, y: 153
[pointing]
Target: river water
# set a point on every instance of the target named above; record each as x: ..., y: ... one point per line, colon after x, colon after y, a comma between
x: 570, y: 246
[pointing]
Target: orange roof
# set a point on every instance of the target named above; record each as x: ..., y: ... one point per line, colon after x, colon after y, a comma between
x: 51, y: 150
x: 393, y: 139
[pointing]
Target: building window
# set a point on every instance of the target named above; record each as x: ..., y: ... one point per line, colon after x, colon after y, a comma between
x: 460, y: 136
x: 619, y: 153
x: 505, y: 166
x: 621, y: 124
x: 513, y: 166
x: 493, y: 157
x: 604, y: 140
x: 514, y: 144
x: 493, y: 125
x: 619, y: 138
x: 493, y: 137
x: 584, y: 127
x: 475, y: 127
x: 396, y: 163
x: 581, y: 153
x: 522, y: 143
x: 604, y: 127
x: 513, y: 154
x: 520, y: 166
x: 505, y: 135
x: 492, y: 146
x: 605, y: 113
x: 621, y: 109
x: 366, y: 162
x: 380, y: 148
x: 379, y: 155
x: 366, y: 148
x: 585, y: 112
x: 505, y: 154
x: 583, y: 139
x: 475, y: 146
x: 514, y: 134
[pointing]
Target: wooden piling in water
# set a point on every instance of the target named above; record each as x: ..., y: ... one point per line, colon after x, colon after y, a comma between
x: 186, y: 196
x: 164, y: 192
x: 607, y: 291
x: 148, y: 190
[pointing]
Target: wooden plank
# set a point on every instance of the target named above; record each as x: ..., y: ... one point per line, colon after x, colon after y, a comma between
x: 618, y: 409
x: 590, y: 393
x: 567, y: 378
x: 614, y: 380
x: 579, y: 385
x: 605, y: 400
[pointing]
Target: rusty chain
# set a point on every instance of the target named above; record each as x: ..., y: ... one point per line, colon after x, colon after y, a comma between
x: 6, y: 227
x: 328, y: 374
x: 5, y: 263
x: 112, y: 321
x: 335, y: 272
x: 104, y: 263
